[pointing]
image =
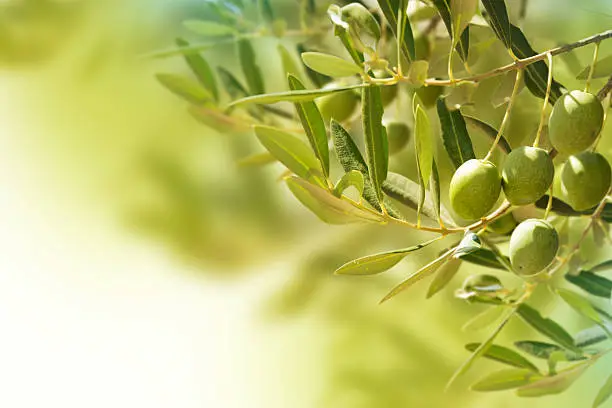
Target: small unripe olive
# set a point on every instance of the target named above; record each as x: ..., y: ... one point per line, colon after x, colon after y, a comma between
x: 398, y: 134
x: 533, y: 246
x: 338, y: 105
x: 429, y: 94
x: 503, y: 225
x: 474, y: 189
x: 575, y: 122
x: 585, y: 180
x: 528, y: 172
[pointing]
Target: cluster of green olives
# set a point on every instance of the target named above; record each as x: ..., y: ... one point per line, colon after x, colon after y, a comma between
x: 528, y: 172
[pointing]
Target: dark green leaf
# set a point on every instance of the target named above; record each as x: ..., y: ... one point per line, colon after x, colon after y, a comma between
x: 484, y: 319
x: 352, y: 178
x: 259, y: 159
x: 498, y: 18
x: 604, y: 266
x: 266, y: 11
x: 390, y: 9
x: 558, y: 206
x: 201, y: 69
x: 505, y: 380
x: 545, y: 326
x: 594, y: 284
x: 375, y: 136
x: 292, y: 96
x: 444, y: 8
x: 543, y: 350
x: 470, y: 243
x: 490, y: 131
x: 329, y: 65
x: 289, y: 65
x: 504, y: 355
x: 484, y: 257
x: 456, y: 139
x: 217, y: 120
x: 554, y: 384
x: 604, y: 393
x: 444, y: 275
x: 185, y: 88
x: 603, y: 68
x: 232, y: 86
x: 313, y: 125
x: 250, y: 68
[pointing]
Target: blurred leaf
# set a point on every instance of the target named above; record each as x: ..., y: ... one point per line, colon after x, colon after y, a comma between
x: 462, y: 12
x: 232, y: 86
x: 209, y: 28
x: 265, y: 8
x: 558, y: 206
x: 313, y: 125
x: 499, y: 21
x: 444, y: 275
x: 543, y: 350
x: 377, y: 263
x: 362, y: 23
x: 463, y: 45
x: 604, y: 266
x: 484, y: 257
x: 292, y: 152
x: 604, y: 393
x: 554, y: 384
x: 470, y: 243
x: 580, y: 305
x: 456, y: 139
x: 327, y: 207
x: 603, y: 68
x: 289, y: 65
x: 329, y: 65
x: 594, y: 284
x: 422, y: 13
x: 504, y: 355
x: 352, y: 178
x: 375, y: 137
x: 490, y: 131
x: 591, y: 336
x: 259, y: 159
x: 483, y: 284
x: 292, y: 96
x: 390, y: 10
x: 250, y: 68
x: 505, y: 380
x: 423, y: 142
x: 185, y: 88
x: 201, y: 69
x: 434, y: 186
x: 484, y: 319
x: 217, y: 120
x: 545, y: 326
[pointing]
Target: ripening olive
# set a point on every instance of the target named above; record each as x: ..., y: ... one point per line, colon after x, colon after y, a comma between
x: 528, y: 172
x: 575, y: 122
x: 585, y: 180
x: 398, y: 134
x: 504, y: 225
x: 338, y: 105
x: 474, y: 188
x: 533, y: 246
x: 429, y: 94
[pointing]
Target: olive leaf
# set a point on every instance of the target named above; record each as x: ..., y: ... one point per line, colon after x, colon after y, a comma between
x: 329, y: 65
x: 231, y: 84
x: 378, y: 263
x: 292, y: 152
x: 266, y: 10
x: 504, y: 355
x: 463, y: 43
x: 209, y: 28
x: 390, y: 9
x: 594, y: 284
x: 484, y: 319
x: 375, y: 136
x: 313, y: 125
x: 470, y: 243
x: 185, y: 88
x: 484, y: 257
x: 547, y: 327
x: 603, y: 68
x: 603, y: 266
x: 258, y: 159
x: 488, y: 130
x: 499, y: 21
x: 506, y: 379
x: 580, y: 305
x: 217, y: 120
x: 544, y: 350
x: 352, y: 178
x: 604, y: 393
x: 201, y: 70
x: 455, y: 136
x: 289, y: 65
x: 293, y: 96
x: 327, y: 207
x: 443, y: 276
x: 590, y: 336
x: 462, y: 12
x: 319, y: 80
x: 250, y: 68
x: 554, y: 384
x: 424, y: 153
x: 434, y: 187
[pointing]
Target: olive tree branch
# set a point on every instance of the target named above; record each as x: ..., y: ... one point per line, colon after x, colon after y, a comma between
x: 605, y: 90
x: 536, y: 143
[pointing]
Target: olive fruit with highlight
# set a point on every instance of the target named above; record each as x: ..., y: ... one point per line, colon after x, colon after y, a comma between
x: 575, y: 122
x: 338, y: 105
x: 527, y: 173
x: 585, y: 180
x: 398, y: 134
x: 533, y: 246
x: 474, y: 189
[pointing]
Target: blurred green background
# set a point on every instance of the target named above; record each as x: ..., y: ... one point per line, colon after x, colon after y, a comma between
x: 106, y: 147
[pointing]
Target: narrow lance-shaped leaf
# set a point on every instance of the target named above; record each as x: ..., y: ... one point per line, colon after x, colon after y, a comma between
x: 434, y: 184
x: 231, y: 85
x: 505, y: 380
x: 580, y: 305
x: 462, y: 12
x: 594, y: 284
x: 390, y: 10
x: 592, y: 335
x: 444, y: 275
x: 313, y: 125
x: 424, y: 152
x: 601, y: 267
x: 329, y: 65
x: 201, y: 70
x: 547, y: 327
x: 463, y: 45
x: 455, y: 136
x: 604, y: 393
x: 209, y: 28
x: 544, y: 350
x: 185, y: 88
x: 504, y: 355
x: 484, y: 319
x: 250, y: 68
x: 554, y: 384
x: 603, y: 68
x: 292, y: 96
x: 375, y: 136
x: 352, y: 178
x: 499, y: 21
x: 289, y: 65
x: 488, y: 130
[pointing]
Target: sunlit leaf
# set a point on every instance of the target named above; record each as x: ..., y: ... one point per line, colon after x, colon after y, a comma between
x: 505, y: 380
x: 603, y: 68
x: 292, y: 96
x: 352, y: 178
x: 484, y: 319
x: 290, y: 67
x: 470, y: 243
x: 434, y: 188
x: 390, y: 10
x: 545, y: 326
x: 232, y: 86
x: 423, y: 142
x: 488, y: 130
x: 554, y: 384
x: 601, y: 267
x: 375, y: 137
x: 444, y: 275
x: 217, y: 120
x: 463, y: 45
x: 329, y: 65
x: 462, y: 12
x: 456, y: 139
x: 499, y: 21
x: 250, y: 67
x: 544, y: 350
x: 592, y: 283
x: 604, y: 393
x: 259, y: 159
x: 504, y: 355
x: 580, y: 304
x: 185, y: 88
x: 208, y: 28
x: 201, y: 70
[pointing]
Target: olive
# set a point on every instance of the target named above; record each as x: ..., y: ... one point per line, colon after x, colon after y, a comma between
x: 474, y: 188
x: 533, y: 246
x: 585, y: 180
x: 504, y: 225
x: 338, y: 105
x: 527, y: 173
x: 398, y: 134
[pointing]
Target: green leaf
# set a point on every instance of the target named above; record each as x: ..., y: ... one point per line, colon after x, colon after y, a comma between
x: 443, y: 277
x: 292, y: 96
x: 329, y: 65
x: 484, y: 319
x: 313, y: 125
x: 505, y: 379
x: 602, y: 69
x: 289, y: 65
x: 462, y: 12
x: 259, y: 159
x: 543, y: 350
x: 292, y: 152
x: 434, y: 187
x: 504, y: 355
x: 592, y: 335
x: 250, y: 68
x: 604, y: 266
x: 232, y: 86
x: 217, y: 120
x: 375, y: 136
x: 604, y: 393
x: 422, y: 273
x: 423, y: 142
x: 378, y: 263
x: 484, y: 257
x: 470, y: 243
x: 499, y: 21
x: 266, y: 11
x: 201, y: 70
x: 580, y: 305
x: 208, y: 28
x: 390, y: 9
x: 594, y: 284
x: 490, y: 131
x: 545, y: 326
x: 444, y: 8
x: 327, y: 207
x: 456, y: 139
x: 554, y: 384
x: 185, y: 88
x: 352, y: 178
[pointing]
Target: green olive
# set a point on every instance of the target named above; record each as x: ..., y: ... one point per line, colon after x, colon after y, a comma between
x: 504, y: 225
x: 429, y: 94
x: 474, y: 189
x: 533, y: 246
x: 528, y: 172
x: 575, y: 122
x: 398, y: 134
x: 338, y: 105
x: 585, y: 180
